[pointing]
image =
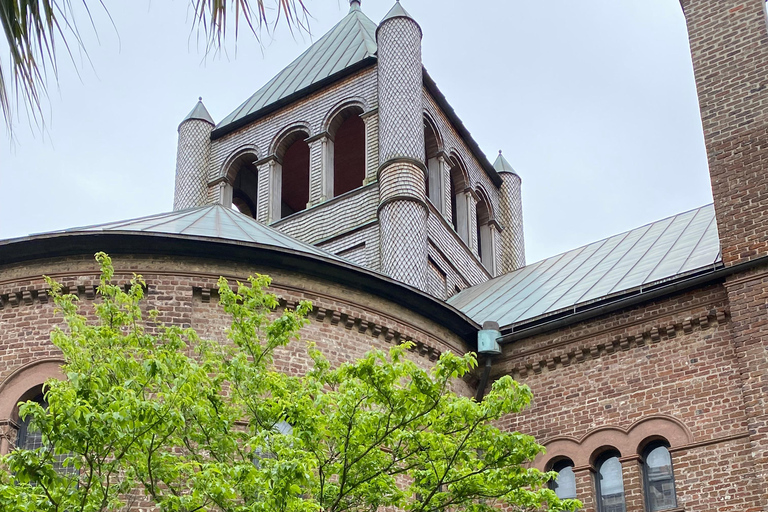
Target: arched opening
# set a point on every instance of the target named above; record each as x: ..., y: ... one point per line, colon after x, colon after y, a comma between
x: 658, y: 477
x: 484, y: 233
x: 565, y: 483
x: 294, y: 193
x: 609, y: 483
x: 433, y: 183
x: 348, y: 133
x: 459, y: 200
x: 30, y: 436
x: 245, y: 185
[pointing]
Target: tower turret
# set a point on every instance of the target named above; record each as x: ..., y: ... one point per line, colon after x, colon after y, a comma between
x: 510, y: 216
x: 192, y: 158
x: 402, y: 173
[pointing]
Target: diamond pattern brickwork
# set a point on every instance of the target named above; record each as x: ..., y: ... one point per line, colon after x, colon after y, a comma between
x: 400, y: 90
x: 192, y: 159
x: 403, y: 227
x: 511, y: 218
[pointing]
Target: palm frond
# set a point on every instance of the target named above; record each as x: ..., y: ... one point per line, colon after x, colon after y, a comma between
x: 35, y: 29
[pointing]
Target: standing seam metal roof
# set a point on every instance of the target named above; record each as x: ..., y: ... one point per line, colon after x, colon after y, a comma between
x: 670, y: 248
x: 349, y: 42
x: 213, y: 221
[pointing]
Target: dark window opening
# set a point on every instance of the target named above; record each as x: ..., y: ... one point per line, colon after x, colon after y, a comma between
x: 430, y: 153
x: 659, y: 479
x: 454, y: 213
x: 349, y: 155
x: 565, y: 483
x: 30, y: 437
x: 295, y: 180
x: 245, y: 189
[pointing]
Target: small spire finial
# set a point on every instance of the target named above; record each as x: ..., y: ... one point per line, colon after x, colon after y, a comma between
x: 499, y: 151
x: 354, y: 5
x: 199, y: 98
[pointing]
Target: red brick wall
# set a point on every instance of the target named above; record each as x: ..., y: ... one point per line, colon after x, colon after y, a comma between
x: 345, y: 323
x: 729, y: 45
x: 665, y: 369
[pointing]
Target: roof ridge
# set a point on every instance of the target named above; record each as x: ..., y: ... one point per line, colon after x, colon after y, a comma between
x: 333, y: 52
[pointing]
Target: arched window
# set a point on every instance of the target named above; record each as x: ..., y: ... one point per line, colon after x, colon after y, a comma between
x: 609, y: 483
x: 348, y: 133
x: 658, y: 478
x: 29, y: 437
x: 245, y: 185
x: 294, y: 194
x: 484, y: 238
x: 565, y: 483
x: 433, y: 182
x: 459, y: 205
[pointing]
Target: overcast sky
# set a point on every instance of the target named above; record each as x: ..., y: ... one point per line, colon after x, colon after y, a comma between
x: 592, y: 101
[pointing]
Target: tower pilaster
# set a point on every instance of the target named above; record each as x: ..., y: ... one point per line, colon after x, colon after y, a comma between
x: 510, y: 217
x: 192, y: 159
x: 402, y: 172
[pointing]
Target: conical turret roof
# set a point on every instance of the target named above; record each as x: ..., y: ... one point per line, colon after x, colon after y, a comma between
x: 501, y: 165
x: 397, y: 11
x: 347, y: 45
x: 199, y: 113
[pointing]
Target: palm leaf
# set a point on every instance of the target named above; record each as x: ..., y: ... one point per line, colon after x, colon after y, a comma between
x: 33, y: 28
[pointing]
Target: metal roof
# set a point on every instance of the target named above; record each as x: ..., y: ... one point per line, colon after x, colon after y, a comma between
x: 397, y: 11
x: 200, y: 113
x: 213, y: 221
x: 350, y: 42
x: 501, y: 164
x: 670, y: 248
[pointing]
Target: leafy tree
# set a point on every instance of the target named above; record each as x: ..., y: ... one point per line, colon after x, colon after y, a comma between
x: 36, y: 29
x: 153, y: 415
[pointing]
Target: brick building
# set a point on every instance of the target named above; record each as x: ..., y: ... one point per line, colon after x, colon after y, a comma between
x: 350, y: 180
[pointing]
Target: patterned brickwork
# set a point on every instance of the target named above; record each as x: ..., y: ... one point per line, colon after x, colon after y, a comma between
x: 333, y: 218
x: 463, y: 262
x: 453, y: 144
x: 512, y: 239
x: 401, y: 131
x: 192, y: 159
x: 437, y: 283
x: 371, y: 147
x: 454, y: 281
x: 310, y: 111
x: 360, y: 246
x: 402, y: 179
x: 404, y: 242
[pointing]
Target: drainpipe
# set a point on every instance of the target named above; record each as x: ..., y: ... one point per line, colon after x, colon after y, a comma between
x: 488, y: 346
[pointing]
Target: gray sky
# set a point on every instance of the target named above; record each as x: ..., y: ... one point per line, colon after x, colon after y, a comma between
x: 593, y: 102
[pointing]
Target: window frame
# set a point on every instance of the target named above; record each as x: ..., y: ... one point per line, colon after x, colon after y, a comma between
x: 601, y: 460
x: 647, y: 450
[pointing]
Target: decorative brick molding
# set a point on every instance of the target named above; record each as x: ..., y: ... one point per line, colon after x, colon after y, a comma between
x: 628, y: 441
x: 352, y: 319
x: 565, y: 354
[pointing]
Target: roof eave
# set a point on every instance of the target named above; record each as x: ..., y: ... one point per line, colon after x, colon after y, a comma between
x: 62, y: 244
x: 458, y: 125
x: 228, y: 128
x: 561, y: 319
